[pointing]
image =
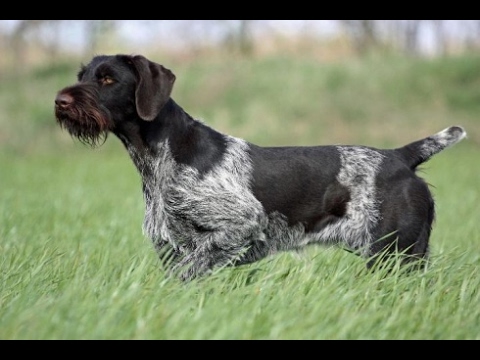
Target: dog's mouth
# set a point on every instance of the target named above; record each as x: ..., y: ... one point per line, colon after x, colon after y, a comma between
x: 78, y: 112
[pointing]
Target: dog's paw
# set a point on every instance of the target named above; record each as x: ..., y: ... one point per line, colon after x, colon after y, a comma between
x: 187, y: 269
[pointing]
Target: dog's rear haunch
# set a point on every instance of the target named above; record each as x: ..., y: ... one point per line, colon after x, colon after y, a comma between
x: 213, y: 200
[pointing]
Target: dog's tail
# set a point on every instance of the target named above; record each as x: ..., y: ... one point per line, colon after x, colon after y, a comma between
x: 420, y: 151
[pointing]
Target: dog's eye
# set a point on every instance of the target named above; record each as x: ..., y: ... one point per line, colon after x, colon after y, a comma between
x: 106, y: 80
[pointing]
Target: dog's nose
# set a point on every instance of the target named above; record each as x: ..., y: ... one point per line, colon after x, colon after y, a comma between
x: 63, y: 100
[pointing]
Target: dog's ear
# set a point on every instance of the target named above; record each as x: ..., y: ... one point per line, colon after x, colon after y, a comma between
x: 154, y: 86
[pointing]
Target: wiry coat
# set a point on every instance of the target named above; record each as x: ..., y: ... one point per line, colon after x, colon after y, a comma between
x: 212, y: 199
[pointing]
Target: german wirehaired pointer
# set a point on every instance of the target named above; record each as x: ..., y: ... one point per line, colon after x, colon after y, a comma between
x: 214, y: 200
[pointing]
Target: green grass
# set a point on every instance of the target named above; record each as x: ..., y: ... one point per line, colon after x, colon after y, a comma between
x: 75, y: 265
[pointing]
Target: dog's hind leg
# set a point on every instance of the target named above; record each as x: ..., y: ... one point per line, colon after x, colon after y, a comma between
x: 406, y: 224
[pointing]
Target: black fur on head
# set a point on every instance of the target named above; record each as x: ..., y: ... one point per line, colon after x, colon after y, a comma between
x: 88, y: 110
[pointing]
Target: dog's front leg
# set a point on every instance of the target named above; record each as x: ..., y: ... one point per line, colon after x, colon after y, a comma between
x: 167, y: 254
x: 215, y: 249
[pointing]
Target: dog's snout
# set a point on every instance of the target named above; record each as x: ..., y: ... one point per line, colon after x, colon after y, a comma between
x: 63, y: 100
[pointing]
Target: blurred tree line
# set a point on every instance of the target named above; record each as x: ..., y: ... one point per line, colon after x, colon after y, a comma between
x: 18, y: 38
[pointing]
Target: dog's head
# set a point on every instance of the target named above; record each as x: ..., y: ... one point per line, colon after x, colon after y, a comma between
x: 111, y: 90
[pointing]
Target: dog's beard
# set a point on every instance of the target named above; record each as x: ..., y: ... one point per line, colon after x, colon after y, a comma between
x: 86, y: 129
x: 84, y: 119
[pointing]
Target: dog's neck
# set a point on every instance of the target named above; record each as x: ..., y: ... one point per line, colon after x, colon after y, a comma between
x: 187, y: 141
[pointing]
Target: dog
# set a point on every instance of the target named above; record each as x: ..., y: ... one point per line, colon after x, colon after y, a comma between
x: 214, y: 200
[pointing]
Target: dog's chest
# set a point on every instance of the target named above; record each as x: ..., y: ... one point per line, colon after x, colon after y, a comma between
x: 183, y: 208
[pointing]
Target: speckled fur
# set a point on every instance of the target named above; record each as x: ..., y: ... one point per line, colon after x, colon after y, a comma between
x: 213, y: 200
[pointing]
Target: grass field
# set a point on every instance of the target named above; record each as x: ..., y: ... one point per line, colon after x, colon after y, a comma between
x: 75, y: 265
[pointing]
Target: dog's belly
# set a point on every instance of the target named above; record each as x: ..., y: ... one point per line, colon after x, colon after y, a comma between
x: 351, y: 228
